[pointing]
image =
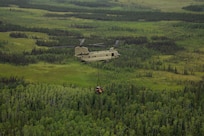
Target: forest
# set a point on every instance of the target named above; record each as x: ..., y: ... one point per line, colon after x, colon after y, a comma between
x: 43, y: 109
x: 155, y: 87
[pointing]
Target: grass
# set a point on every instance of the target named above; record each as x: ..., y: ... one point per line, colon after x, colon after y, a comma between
x: 18, y: 45
x: 74, y: 73
x: 79, y: 74
x: 160, y: 80
x: 36, y: 18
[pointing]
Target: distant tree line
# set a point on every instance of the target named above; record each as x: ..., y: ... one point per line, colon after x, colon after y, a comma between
x: 82, y: 26
x: 189, y: 25
x: 17, y: 59
x: 18, y: 35
x: 134, y: 16
x: 5, y: 27
x: 57, y: 37
x: 196, y: 8
x: 53, y: 55
x: 116, y: 28
x: 12, y: 82
x: 92, y: 3
x: 17, y: 2
x: 163, y: 45
x: 117, y: 15
x: 133, y: 40
x: 114, y: 15
x: 47, y: 43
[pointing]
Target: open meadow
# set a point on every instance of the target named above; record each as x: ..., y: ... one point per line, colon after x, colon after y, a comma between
x: 155, y: 87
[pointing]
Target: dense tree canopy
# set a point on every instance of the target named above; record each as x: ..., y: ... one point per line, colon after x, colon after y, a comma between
x: 42, y: 109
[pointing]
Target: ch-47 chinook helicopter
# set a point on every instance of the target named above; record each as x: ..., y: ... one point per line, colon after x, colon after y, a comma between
x: 85, y: 55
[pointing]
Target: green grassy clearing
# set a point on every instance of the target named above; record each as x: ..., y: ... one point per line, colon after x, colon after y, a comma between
x: 18, y: 45
x: 36, y: 18
x: 71, y: 74
x: 77, y: 74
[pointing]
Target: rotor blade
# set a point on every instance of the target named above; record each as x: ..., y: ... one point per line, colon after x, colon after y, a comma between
x: 81, y: 41
x: 117, y: 43
x: 71, y: 46
x: 97, y: 44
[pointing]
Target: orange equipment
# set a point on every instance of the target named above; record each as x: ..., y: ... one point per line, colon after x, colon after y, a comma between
x: 99, y: 90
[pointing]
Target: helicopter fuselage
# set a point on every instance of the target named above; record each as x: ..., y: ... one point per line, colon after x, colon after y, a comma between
x: 85, y: 55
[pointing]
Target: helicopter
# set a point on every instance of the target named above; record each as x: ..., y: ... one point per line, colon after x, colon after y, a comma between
x: 85, y: 55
